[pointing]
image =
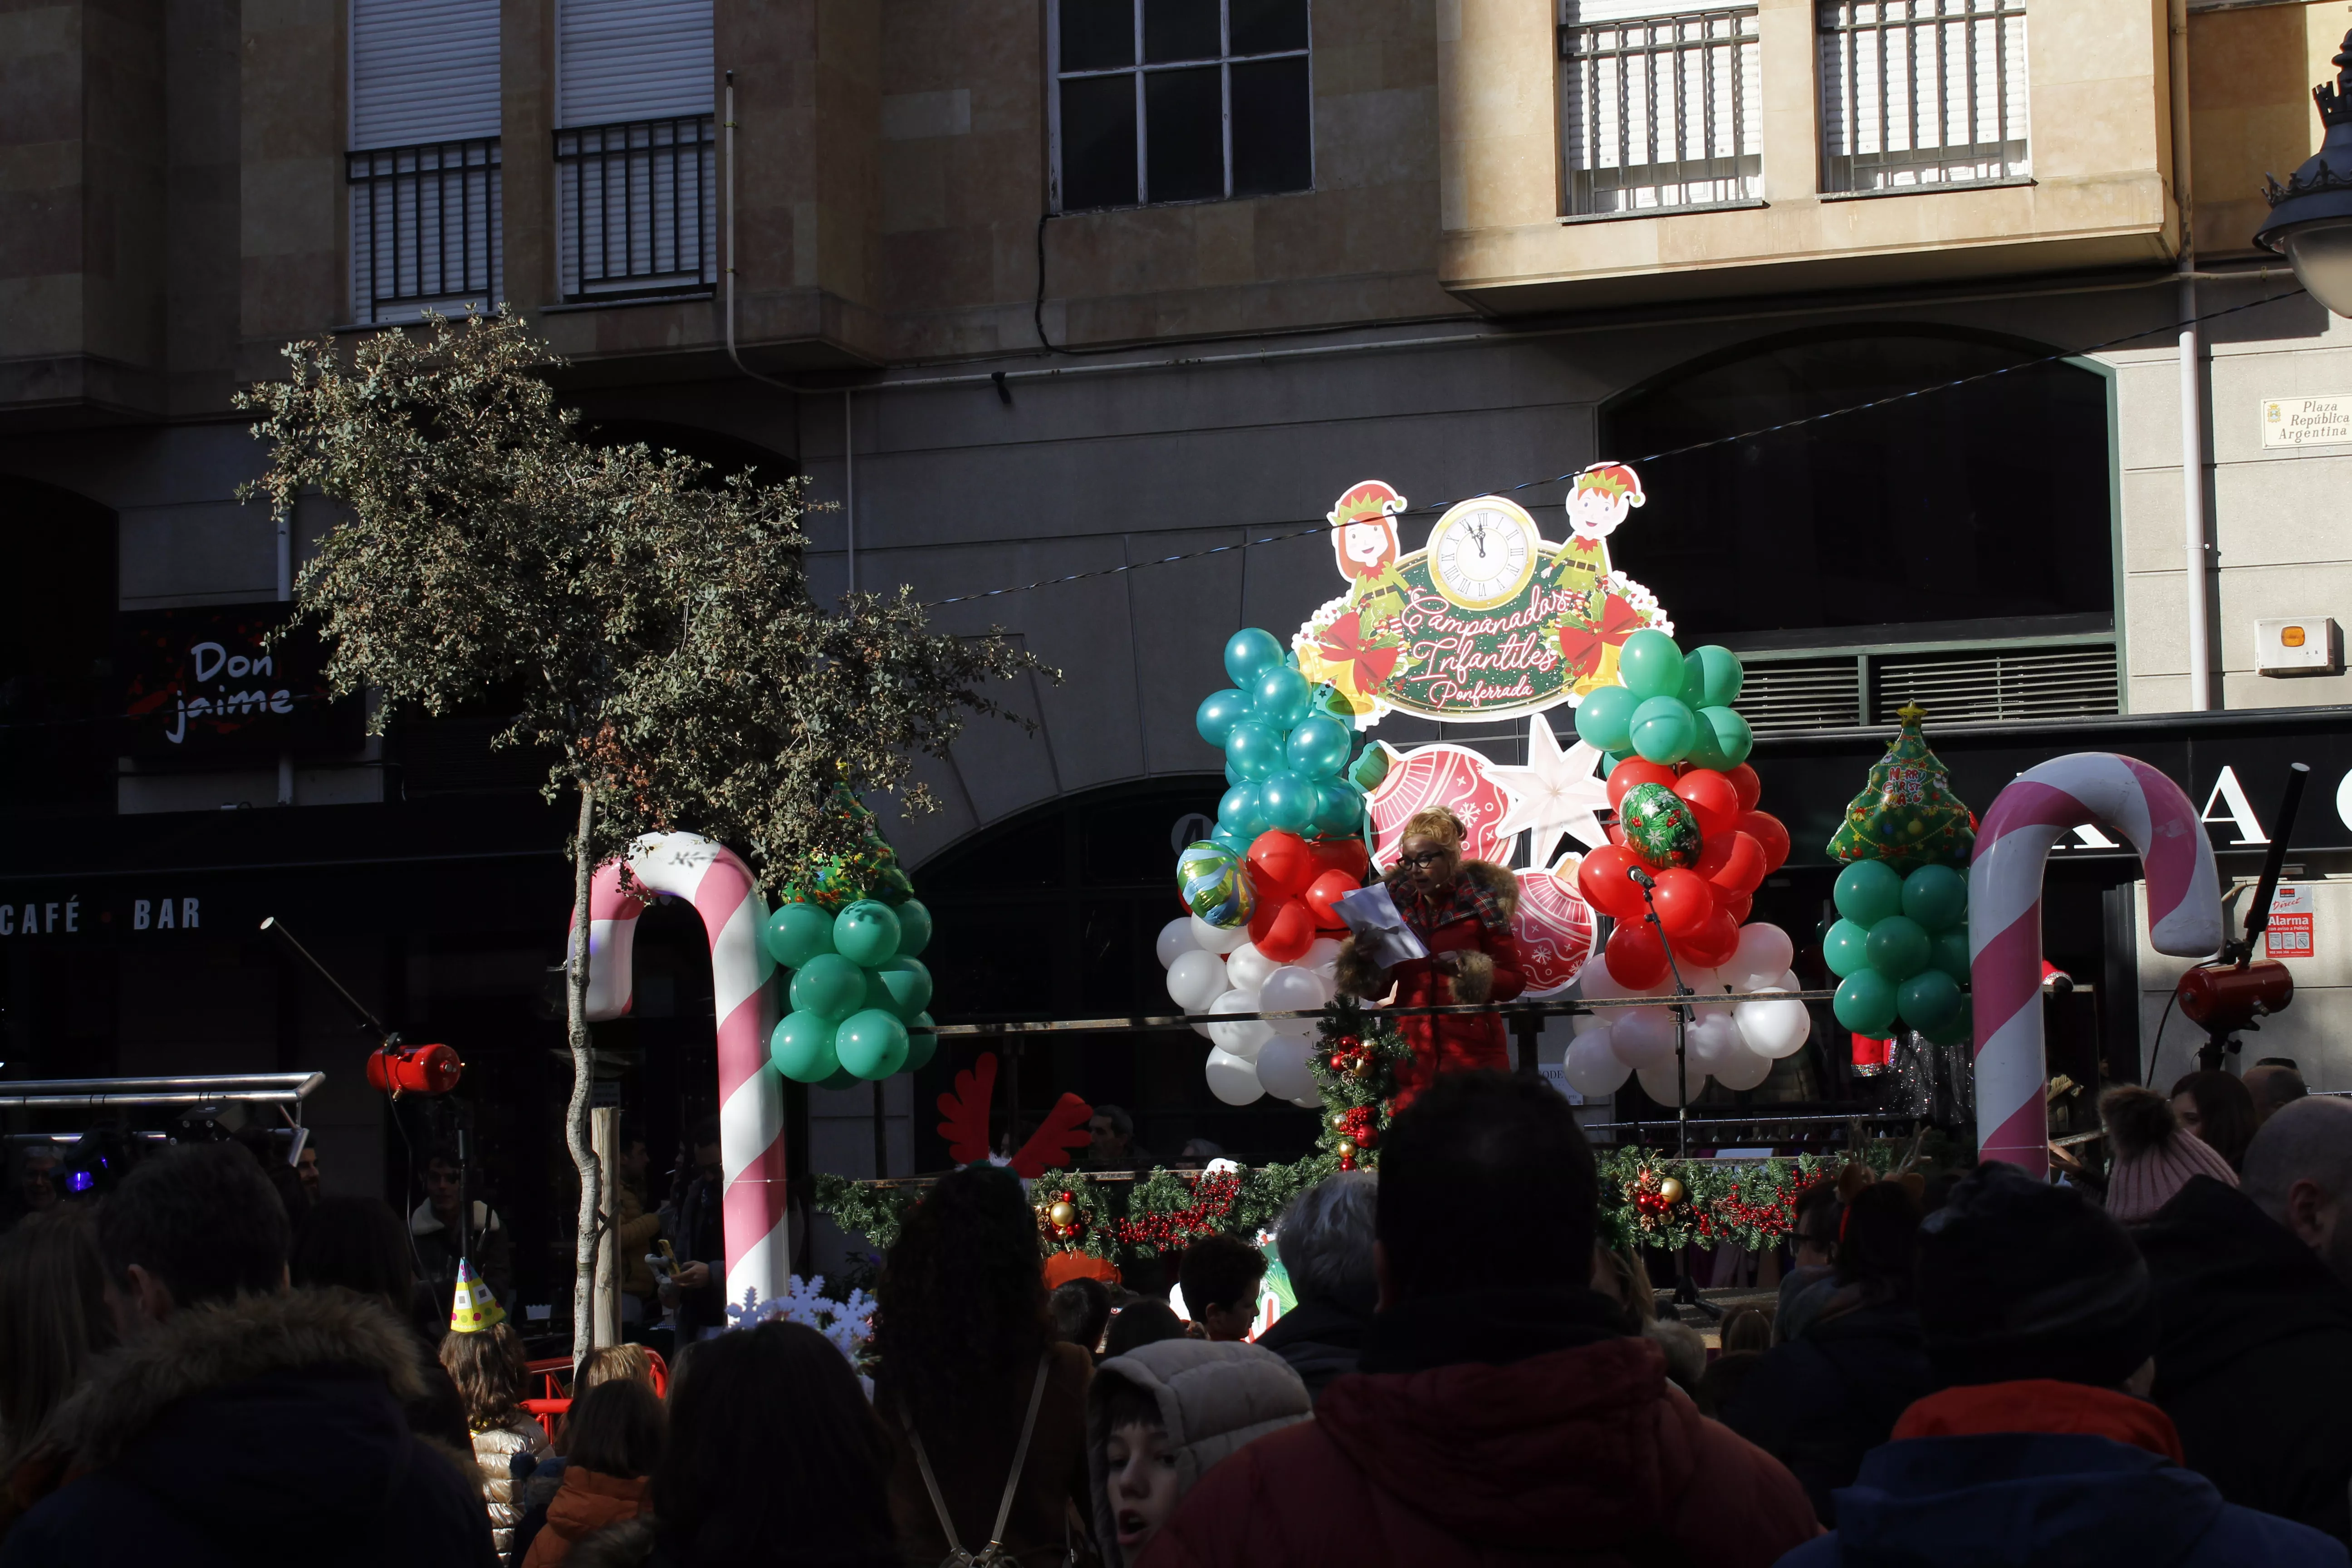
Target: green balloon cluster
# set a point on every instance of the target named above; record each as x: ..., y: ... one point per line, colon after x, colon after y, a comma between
x: 858, y: 991
x: 1900, y: 949
x: 1669, y: 706
x: 1286, y: 755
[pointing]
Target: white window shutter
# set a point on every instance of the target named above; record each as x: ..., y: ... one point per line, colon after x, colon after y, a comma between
x: 632, y: 59
x: 427, y: 228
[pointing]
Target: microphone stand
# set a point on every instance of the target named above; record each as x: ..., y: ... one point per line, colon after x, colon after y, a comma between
x: 1685, y: 1287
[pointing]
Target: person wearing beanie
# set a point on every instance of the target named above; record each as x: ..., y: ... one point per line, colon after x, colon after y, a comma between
x: 2037, y: 1446
x: 2255, y: 1365
x: 2151, y: 1155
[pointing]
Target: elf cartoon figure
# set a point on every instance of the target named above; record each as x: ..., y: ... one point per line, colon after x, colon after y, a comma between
x: 1364, y: 529
x: 1599, y: 499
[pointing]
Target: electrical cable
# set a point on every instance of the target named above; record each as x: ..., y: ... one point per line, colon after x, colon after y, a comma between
x: 1760, y: 431
x: 2156, y: 1046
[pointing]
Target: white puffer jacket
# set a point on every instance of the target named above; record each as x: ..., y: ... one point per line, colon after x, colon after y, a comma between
x: 1215, y: 1400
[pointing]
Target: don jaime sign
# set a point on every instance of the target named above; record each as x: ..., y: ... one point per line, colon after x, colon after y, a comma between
x: 1488, y: 619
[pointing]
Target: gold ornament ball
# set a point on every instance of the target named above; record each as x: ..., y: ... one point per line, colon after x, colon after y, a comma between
x: 1063, y: 1214
x: 1338, y: 1120
x: 1346, y: 1149
x: 1671, y: 1189
x: 1362, y: 1069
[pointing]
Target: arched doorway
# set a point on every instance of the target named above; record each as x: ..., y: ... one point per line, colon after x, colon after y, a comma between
x: 1052, y: 914
x: 1977, y: 510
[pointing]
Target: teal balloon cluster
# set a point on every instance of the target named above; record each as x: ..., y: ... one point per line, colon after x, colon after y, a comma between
x: 858, y: 990
x: 1900, y: 951
x: 1668, y: 706
x: 1286, y: 757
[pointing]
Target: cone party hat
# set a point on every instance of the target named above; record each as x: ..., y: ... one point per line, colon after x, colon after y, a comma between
x: 1907, y: 815
x: 473, y: 1309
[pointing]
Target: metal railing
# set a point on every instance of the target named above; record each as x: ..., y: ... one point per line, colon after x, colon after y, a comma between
x: 637, y: 208
x: 1922, y: 92
x: 425, y: 227
x: 1659, y: 112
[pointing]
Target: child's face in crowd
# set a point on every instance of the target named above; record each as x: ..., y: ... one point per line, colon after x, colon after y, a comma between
x: 1142, y: 1484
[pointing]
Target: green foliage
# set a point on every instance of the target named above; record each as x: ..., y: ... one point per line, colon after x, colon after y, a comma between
x: 1748, y: 1203
x: 1355, y: 1065
x: 658, y: 629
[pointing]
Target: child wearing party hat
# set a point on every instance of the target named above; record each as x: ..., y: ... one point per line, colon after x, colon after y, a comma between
x: 484, y: 1357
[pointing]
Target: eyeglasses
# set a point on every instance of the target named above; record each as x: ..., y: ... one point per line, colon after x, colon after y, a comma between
x: 1431, y: 857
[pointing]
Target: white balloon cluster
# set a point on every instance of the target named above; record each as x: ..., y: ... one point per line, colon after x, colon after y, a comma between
x: 1734, y: 1044
x: 1214, y: 970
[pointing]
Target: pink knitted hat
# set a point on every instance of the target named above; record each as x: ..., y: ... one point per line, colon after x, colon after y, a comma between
x: 2153, y: 1157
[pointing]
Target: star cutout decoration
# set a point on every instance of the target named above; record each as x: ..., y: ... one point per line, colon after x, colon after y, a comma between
x: 1558, y: 792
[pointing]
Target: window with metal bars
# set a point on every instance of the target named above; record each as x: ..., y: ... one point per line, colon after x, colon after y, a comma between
x: 637, y: 206
x: 1922, y: 92
x: 1179, y: 100
x: 1659, y: 111
x: 425, y: 229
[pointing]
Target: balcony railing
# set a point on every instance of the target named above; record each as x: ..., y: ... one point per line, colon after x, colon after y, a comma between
x: 1661, y: 113
x: 638, y: 207
x: 1922, y: 92
x: 426, y: 229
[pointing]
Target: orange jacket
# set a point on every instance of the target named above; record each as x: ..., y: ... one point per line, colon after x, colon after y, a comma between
x: 586, y: 1503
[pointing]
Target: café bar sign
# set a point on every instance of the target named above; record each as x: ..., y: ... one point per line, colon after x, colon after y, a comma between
x: 1488, y: 619
x: 210, y: 682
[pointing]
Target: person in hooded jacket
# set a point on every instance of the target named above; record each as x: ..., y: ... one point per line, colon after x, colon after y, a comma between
x: 1461, y: 910
x: 2253, y: 1288
x: 1822, y: 1400
x: 1503, y: 1411
x: 1160, y: 1417
x: 240, y: 1421
x: 2039, y: 1449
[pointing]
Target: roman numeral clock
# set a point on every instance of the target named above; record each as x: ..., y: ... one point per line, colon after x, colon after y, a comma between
x: 1482, y: 553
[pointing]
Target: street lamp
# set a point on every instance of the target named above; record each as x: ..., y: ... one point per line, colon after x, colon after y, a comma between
x: 2311, y: 215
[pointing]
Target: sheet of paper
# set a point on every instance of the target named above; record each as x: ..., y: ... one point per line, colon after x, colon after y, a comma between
x: 1381, y: 934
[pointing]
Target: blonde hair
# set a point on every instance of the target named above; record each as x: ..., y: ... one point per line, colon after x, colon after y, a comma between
x: 1437, y: 822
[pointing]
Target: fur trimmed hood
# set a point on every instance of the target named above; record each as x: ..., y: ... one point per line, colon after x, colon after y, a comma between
x: 205, y: 1349
x: 1500, y: 883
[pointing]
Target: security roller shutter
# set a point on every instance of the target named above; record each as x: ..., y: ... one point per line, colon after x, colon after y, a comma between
x: 632, y: 59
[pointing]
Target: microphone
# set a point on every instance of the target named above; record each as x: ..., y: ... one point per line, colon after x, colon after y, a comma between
x: 1640, y: 877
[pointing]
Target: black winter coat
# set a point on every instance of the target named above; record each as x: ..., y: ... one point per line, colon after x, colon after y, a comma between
x: 2255, y: 1365
x: 1319, y: 1341
x: 266, y: 1430
x: 1821, y: 1401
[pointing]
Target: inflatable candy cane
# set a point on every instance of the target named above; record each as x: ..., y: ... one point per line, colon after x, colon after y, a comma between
x: 751, y: 1096
x: 2184, y: 909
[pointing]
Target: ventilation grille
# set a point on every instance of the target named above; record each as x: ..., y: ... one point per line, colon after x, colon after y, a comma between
x: 1979, y: 685
x: 1801, y: 694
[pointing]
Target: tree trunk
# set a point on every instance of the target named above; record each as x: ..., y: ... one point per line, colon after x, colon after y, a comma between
x: 583, y: 1073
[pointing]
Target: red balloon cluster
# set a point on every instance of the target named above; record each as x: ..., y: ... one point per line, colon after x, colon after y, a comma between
x: 1297, y: 883
x: 1701, y: 906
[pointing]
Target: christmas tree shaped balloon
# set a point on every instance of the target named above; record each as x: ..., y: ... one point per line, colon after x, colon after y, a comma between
x: 868, y: 870
x: 1907, y: 815
x: 1900, y: 945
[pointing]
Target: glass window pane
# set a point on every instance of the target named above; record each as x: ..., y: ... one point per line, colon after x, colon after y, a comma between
x: 1183, y: 120
x: 1098, y: 34
x: 1097, y: 141
x: 1273, y: 135
x: 1180, y: 30
x: 1263, y: 27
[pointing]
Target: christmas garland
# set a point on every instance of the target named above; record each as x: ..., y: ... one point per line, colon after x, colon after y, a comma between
x: 1355, y: 1062
x: 1648, y: 1200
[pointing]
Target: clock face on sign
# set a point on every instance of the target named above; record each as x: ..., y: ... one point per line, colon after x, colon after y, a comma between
x: 1482, y: 552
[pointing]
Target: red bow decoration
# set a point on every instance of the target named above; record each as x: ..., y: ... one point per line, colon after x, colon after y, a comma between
x: 1343, y: 643
x: 1585, y: 647
x: 966, y: 1128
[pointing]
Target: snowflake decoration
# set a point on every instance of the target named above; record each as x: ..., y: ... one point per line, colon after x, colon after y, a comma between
x: 847, y: 1325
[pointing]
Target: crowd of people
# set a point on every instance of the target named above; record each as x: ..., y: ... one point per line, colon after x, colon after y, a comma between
x: 1990, y: 1368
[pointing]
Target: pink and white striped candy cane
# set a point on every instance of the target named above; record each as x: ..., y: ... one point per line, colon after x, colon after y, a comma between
x: 2184, y: 908
x: 750, y: 1094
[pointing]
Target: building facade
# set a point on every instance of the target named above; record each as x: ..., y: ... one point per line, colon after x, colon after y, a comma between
x: 1103, y: 302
